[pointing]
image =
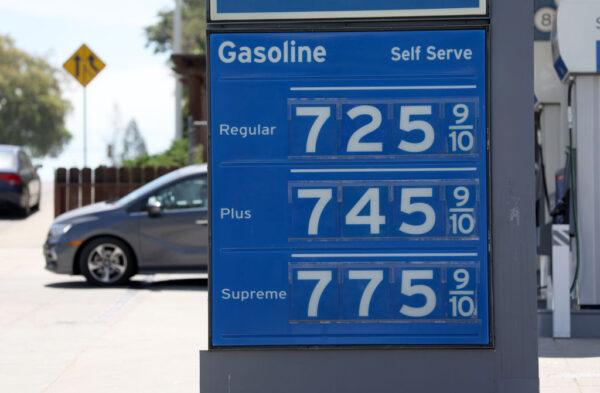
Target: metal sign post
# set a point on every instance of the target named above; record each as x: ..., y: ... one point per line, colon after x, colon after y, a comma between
x: 85, y: 127
x: 369, y: 230
x: 84, y: 65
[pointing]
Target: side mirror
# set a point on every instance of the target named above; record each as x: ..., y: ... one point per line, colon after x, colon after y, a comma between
x: 154, y: 207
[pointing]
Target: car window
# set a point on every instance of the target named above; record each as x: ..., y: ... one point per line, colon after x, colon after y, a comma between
x: 148, y: 188
x: 7, y: 160
x: 186, y: 194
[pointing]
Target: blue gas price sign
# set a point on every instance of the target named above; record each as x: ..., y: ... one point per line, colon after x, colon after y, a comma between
x: 349, y: 200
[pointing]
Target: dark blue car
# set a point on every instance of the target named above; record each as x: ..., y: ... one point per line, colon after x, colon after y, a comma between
x: 20, y: 186
x: 160, y: 227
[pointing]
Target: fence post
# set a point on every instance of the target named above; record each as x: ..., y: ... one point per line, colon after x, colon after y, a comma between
x: 124, y: 181
x: 60, y: 191
x: 74, y: 189
x: 149, y: 174
x: 99, y: 189
x: 136, y: 178
x: 162, y: 170
x: 86, y: 186
x: 112, y: 183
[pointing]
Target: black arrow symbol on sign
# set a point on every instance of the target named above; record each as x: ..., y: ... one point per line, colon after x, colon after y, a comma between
x: 91, y: 61
x: 77, y: 65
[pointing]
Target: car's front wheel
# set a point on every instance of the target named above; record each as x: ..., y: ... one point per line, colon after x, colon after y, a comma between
x: 106, y: 261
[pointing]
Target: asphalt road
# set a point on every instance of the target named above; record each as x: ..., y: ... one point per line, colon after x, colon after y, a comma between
x: 59, y: 335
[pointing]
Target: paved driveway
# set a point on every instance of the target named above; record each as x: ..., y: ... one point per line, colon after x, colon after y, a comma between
x: 59, y: 335
x: 569, y: 366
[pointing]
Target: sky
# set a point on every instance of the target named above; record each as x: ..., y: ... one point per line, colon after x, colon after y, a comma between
x: 136, y: 81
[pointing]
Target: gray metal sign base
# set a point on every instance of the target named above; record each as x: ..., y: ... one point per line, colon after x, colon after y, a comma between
x: 511, y: 366
x: 584, y: 323
x: 361, y: 371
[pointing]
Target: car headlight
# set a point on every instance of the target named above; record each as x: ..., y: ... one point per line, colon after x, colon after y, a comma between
x: 57, y: 230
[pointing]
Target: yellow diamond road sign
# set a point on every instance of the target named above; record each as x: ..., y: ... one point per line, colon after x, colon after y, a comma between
x: 84, y: 65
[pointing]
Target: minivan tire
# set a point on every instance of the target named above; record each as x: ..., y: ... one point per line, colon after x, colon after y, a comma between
x: 107, y: 253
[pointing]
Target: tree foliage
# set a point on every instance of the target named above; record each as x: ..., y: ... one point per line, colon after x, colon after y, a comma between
x: 134, y: 145
x: 32, y: 110
x: 176, y: 156
x: 159, y: 36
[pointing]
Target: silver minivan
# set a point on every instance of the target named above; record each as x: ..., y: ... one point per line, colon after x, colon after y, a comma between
x: 160, y: 227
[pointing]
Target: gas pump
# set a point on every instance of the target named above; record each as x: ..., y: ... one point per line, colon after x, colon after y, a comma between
x: 550, y: 141
x: 576, y: 215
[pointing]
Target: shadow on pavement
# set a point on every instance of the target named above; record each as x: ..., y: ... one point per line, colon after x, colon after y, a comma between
x: 569, y: 348
x: 14, y: 214
x: 185, y: 284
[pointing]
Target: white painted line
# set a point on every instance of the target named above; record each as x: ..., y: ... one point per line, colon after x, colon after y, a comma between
x: 117, y: 306
x: 461, y: 210
x: 462, y: 293
x: 379, y: 88
x: 389, y: 255
x: 382, y: 170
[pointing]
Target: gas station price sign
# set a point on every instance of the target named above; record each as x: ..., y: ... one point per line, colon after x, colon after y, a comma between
x: 349, y: 188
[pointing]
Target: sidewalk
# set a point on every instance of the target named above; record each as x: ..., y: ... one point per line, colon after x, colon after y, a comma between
x: 57, y: 334
x: 569, y: 366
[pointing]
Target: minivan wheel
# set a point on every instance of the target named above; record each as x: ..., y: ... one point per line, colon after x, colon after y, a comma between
x: 106, y: 261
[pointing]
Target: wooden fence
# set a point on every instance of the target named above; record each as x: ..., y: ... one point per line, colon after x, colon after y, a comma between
x: 74, y: 187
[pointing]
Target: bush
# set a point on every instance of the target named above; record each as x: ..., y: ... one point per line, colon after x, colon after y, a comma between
x: 175, y: 156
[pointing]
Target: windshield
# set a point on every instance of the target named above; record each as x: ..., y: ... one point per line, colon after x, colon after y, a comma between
x: 147, y: 188
x: 7, y: 160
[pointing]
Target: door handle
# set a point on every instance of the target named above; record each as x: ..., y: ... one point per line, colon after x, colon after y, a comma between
x: 201, y: 222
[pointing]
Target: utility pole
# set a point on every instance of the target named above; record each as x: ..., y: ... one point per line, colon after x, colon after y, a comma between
x: 177, y: 48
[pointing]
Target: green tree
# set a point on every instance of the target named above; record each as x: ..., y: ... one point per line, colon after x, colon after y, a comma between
x: 176, y: 156
x: 159, y: 36
x: 134, y: 145
x: 32, y: 110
